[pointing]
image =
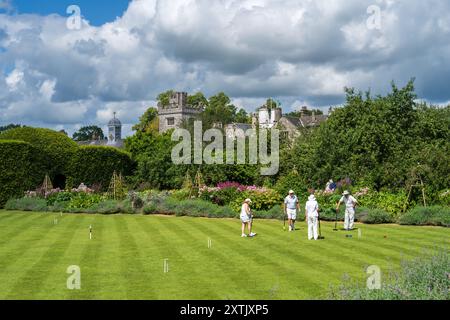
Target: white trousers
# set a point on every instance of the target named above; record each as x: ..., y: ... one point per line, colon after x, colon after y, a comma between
x: 349, y: 218
x: 313, y: 228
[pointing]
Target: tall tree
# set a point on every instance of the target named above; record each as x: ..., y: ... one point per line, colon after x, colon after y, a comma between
x: 164, y: 97
x: 9, y: 126
x: 88, y: 133
x: 197, y: 101
x: 219, y: 109
x: 148, y: 121
x: 242, y: 117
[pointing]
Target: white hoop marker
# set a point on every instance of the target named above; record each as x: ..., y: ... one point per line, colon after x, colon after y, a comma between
x: 166, y: 265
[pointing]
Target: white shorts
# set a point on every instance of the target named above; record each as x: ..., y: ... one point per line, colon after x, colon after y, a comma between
x: 245, y: 219
x: 292, y: 214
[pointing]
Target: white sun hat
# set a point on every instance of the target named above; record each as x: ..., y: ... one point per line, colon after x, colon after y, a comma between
x: 346, y: 193
x: 248, y: 200
x: 291, y: 191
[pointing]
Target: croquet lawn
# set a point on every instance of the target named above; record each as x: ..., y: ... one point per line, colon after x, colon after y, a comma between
x: 125, y: 257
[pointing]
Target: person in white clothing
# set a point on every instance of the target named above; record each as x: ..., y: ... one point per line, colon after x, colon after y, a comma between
x: 291, y: 205
x: 312, y: 217
x: 247, y: 218
x: 350, y: 205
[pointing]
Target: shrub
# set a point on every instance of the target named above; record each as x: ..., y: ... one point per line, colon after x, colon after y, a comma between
x: 192, y: 208
x: 84, y: 200
x: 106, y: 207
x: 444, y: 197
x: 425, y: 278
x: 56, y: 147
x: 27, y: 204
x: 392, y: 203
x: 329, y: 214
x: 373, y: 216
x: 261, y: 200
x: 275, y: 213
x: 182, y: 194
x: 59, y: 197
x: 96, y: 165
x: 21, y: 169
x: 421, y: 216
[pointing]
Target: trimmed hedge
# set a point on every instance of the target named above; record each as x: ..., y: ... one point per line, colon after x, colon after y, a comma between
x: 374, y: 216
x: 21, y: 169
x: 56, y: 147
x: 95, y: 165
x: 427, y: 216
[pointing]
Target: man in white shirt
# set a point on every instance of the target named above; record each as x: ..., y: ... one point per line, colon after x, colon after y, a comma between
x: 291, y: 205
x: 350, y: 205
x: 312, y: 217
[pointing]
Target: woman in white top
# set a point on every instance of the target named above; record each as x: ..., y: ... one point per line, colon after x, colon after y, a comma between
x: 246, y: 218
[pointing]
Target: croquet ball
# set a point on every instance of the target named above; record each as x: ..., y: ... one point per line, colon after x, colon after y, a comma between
x: 385, y: 237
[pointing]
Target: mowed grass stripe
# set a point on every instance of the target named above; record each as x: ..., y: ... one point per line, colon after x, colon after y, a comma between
x: 302, y: 252
x: 254, y: 280
x: 198, y: 259
x: 180, y: 254
x: 133, y: 271
x: 353, y: 250
x: 56, y: 285
x: 151, y: 257
x: 317, y: 252
x: 85, y: 253
x: 110, y: 273
x: 275, y: 263
x: 233, y: 262
x: 10, y: 216
x: 16, y: 230
x: 171, y: 286
x: 31, y: 282
x: 400, y: 242
x: 28, y: 239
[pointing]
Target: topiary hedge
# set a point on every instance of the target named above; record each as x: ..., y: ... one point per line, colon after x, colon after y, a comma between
x: 56, y: 147
x: 95, y: 165
x: 21, y: 169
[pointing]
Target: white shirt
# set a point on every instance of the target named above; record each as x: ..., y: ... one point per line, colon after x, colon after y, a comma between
x: 244, y: 211
x: 349, y: 202
x: 291, y: 202
x: 312, y: 208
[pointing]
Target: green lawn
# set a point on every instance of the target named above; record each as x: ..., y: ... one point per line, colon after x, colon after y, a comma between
x: 124, y: 260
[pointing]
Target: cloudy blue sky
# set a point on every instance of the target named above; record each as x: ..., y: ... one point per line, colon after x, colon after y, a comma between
x: 126, y: 52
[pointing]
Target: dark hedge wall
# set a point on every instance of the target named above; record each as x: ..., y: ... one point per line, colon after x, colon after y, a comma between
x: 94, y: 165
x: 57, y: 148
x: 21, y: 169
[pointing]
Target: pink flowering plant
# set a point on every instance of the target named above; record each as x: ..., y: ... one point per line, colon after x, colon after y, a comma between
x: 228, y: 192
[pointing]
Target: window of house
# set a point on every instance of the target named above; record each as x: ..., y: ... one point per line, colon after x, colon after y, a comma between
x: 170, y: 121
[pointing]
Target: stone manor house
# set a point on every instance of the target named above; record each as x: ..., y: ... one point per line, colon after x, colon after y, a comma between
x: 171, y: 116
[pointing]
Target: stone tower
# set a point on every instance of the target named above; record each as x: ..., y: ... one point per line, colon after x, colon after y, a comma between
x: 172, y: 115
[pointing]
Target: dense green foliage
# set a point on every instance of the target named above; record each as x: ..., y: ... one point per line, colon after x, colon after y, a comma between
x: 21, y: 169
x: 425, y: 278
x: 96, y: 165
x: 57, y: 149
x: 9, y: 126
x: 422, y: 216
x: 148, y: 121
x: 89, y: 133
x: 377, y: 142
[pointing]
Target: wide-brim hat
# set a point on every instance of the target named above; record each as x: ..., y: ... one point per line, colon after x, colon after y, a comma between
x: 291, y: 192
x: 346, y: 193
x: 248, y: 201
